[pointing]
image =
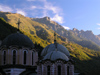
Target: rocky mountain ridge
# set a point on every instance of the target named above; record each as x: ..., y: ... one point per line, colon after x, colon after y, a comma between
x: 87, y: 35
x: 82, y: 37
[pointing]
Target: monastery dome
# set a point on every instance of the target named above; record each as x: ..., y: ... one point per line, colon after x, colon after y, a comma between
x: 52, y: 47
x: 19, y: 40
x: 54, y: 55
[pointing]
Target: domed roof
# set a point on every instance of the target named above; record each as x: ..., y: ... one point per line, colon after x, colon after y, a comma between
x: 19, y: 40
x: 52, y: 47
x: 54, y: 55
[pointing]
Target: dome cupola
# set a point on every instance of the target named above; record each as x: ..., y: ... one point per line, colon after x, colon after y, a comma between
x: 52, y: 47
x: 54, y: 55
x: 18, y: 39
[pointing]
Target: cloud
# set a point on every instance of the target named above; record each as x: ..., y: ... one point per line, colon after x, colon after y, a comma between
x: 31, y: 0
x: 36, y: 7
x: 33, y: 7
x: 57, y: 18
x: 48, y: 9
x: 98, y: 24
x: 21, y: 12
x: 56, y: 11
x: 66, y: 27
x: 98, y: 28
x: 49, y: 6
x: 5, y: 8
x: 42, y: 0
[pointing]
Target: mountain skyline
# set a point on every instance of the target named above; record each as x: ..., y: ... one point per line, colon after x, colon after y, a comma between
x: 82, y: 15
x: 42, y: 35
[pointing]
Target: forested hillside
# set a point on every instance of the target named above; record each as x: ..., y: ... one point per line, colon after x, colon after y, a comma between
x: 45, y: 27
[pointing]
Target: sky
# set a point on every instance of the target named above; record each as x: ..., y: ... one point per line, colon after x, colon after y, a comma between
x: 79, y: 14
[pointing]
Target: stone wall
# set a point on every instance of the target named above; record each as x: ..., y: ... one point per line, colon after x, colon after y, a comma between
x: 19, y: 56
x: 42, y: 68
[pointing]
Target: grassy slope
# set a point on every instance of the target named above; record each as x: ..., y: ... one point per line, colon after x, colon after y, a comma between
x: 86, y: 59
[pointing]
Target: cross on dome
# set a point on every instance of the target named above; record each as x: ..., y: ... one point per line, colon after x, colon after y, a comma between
x: 55, y: 41
x: 55, y: 37
x: 18, y: 24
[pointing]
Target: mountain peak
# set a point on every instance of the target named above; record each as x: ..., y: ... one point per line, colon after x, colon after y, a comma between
x: 46, y: 18
x: 74, y: 29
x: 89, y: 31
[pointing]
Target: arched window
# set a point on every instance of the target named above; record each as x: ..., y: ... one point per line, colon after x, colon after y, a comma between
x: 32, y: 58
x: 59, y: 70
x: 48, y: 70
x: 24, y: 57
x: 67, y: 70
x: 4, y: 57
x: 14, y: 57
